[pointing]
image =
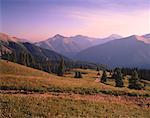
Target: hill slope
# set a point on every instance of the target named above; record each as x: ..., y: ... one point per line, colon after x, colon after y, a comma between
x: 37, y: 54
x: 127, y: 52
x: 26, y: 91
x: 10, y: 68
x: 18, y: 77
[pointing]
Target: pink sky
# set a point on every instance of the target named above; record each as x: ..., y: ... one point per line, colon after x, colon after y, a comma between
x: 40, y: 20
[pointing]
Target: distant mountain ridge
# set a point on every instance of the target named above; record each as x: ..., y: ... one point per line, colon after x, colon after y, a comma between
x: 132, y: 51
x: 15, y: 44
x: 6, y: 38
x: 147, y: 38
x: 64, y: 45
x: 40, y: 57
x: 106, y: 39
x: 126, y: 52
x: 70, y: 46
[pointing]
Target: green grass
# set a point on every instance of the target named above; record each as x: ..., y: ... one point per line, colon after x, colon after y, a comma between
x: 42, y: 107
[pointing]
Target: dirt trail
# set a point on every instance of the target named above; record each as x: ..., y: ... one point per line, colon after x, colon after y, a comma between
x: 126, y: 100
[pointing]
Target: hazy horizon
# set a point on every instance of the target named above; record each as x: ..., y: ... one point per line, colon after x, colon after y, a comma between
x: 38, y: 20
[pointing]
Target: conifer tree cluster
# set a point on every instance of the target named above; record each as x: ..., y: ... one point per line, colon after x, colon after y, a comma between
x: 10, y: 56
x: 118, y: 77
x: 134, y: 81
x: 104, y: 77
x: 78, y: 74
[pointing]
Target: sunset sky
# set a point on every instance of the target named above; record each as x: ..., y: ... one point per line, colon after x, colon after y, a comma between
x: 40, y: 19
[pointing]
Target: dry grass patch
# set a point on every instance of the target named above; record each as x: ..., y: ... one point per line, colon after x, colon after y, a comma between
x: 33, y: 106
x: 18, y: 77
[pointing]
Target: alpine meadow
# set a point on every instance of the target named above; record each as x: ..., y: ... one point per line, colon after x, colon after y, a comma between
x: 74, y: 59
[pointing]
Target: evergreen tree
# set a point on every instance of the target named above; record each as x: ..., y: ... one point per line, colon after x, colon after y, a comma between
x: 13, y: 57
x: 144, y: 74
x: 39, y: 66
x: 27, y: 59
x: 78, y: 74
x: 104, y: 77
x: 134, y: 81
x: 9, y: 56
x: 114, y: 75
x: 119, y: 78
x: 98, y: 74
x: 97, y: 69
x: 31, y: 61
x: 21, y: 58
x: 49, y: 67
x: 61, y: 67
x: 124, y: 71
x: 4, y: 55
x: 81, y: 67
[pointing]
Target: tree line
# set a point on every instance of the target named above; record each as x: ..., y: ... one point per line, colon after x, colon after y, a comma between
x: 44, y: 64
x: 59, y: 67
x: 134, y: 79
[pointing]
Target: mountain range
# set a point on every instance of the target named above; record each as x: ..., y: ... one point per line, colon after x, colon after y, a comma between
x: 70, y: 46
x: 17, y: 45
x: 40, y: 55
x: 147, y: 38
x: 114, y: 50
x: 60, y: 44
x: 107, y: 39
x: 130, y: 51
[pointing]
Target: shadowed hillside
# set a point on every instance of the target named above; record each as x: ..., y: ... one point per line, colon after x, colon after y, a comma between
x: 126, y: 52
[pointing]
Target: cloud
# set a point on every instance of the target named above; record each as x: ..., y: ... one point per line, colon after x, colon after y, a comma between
x: 42, y: 18
x: 116, y: 5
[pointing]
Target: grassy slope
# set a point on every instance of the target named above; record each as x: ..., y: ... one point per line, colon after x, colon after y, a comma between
x: 14, y: 76
x: 43, y: 107
x: 11, y: 68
